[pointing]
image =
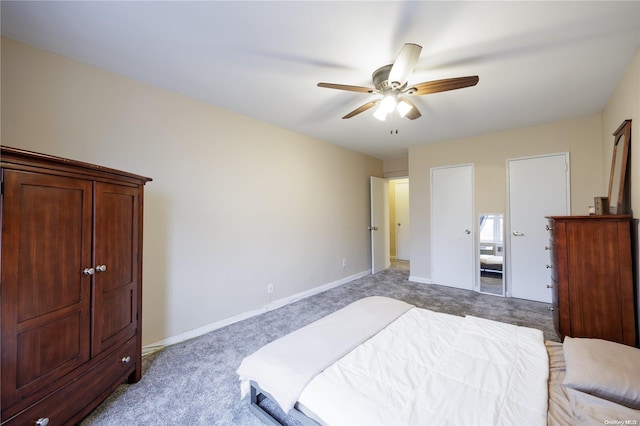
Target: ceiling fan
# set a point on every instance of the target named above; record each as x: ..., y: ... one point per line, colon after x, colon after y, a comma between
x: 391, y: 83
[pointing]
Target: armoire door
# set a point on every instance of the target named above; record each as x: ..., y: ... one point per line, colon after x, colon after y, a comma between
x: 452, y: 253
x: 115, y: 257
x: 46, y: 245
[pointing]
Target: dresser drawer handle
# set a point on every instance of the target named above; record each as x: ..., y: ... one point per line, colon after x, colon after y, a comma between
x: 126, y: 359
x: 42, y: 421
x: 549, y: 228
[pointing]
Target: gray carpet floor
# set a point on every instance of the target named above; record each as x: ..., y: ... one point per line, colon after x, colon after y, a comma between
x: 194, y: 382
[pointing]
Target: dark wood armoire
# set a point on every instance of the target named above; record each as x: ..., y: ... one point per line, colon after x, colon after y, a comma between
x: 70, y: 296
x: 592, y: 277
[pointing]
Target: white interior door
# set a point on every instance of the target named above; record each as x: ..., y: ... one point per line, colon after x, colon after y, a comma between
x: 538, y: 187
x: 402, y: 221
x: 452, y: 224
x: 380, y: 240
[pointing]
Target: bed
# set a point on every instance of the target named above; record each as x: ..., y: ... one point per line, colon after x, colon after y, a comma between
x: 381, y: 361
x: 491, y: 263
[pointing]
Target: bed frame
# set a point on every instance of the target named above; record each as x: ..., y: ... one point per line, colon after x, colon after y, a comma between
x: 258, y: 395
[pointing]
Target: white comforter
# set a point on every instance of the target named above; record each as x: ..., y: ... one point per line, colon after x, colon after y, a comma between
x: 430, y: 368
x: 285, y: 366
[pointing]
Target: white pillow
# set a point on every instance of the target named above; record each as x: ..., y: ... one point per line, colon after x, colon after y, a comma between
x: 605, y: 369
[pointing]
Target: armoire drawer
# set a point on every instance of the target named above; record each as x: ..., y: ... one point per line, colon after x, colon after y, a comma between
x: 86, y: 392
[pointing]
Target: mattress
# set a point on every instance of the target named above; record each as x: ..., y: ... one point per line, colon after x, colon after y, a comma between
x: 419, y: 368
x: 380, y: 361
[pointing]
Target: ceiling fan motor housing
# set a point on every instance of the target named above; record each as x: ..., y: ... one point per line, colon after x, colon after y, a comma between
x: 381, y: 79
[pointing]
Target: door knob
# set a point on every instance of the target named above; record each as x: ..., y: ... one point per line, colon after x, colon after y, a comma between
x: 517, y: 234
x: 101, y: 268
x: 88, y: 271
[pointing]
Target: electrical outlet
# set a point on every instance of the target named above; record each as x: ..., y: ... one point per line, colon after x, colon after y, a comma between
x: 269, y: 288
x: 344, y: 262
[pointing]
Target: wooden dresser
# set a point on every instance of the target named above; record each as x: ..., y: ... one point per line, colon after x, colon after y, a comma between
x: 592, y: 277
x: 71, y: 273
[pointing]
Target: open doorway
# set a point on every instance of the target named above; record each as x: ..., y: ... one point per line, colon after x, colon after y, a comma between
x: 399, y: 224
x: 390, y: 230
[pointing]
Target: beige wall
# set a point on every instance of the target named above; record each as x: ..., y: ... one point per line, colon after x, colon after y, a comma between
x: 396, y: 168
x: 235, y: 203
x: 488, y: 153
x: 625, y: 104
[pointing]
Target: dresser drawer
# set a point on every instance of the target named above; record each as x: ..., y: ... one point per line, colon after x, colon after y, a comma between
x: 70, y: 403
x: 551, y: 229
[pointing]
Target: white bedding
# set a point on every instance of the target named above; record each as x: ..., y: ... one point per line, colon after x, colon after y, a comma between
x: 433, y: 368
x: 285, y: 366
x: 490, y: 259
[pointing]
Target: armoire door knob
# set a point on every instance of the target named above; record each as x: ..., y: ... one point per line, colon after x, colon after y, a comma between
x: 88, y: 271
x: 101, y: 268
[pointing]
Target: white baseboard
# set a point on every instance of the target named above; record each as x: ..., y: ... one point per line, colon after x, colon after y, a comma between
x: 152, y: 347
x: 420, y: 280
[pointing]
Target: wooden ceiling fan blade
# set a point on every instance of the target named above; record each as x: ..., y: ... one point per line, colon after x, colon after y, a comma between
x: 404, y: 64
x: 347, y: 87
x: 361, y: 108
x: 437, y: 86
x: 413, y: 112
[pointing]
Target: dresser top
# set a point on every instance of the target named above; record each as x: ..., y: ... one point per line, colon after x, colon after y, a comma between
x: 593, y: 217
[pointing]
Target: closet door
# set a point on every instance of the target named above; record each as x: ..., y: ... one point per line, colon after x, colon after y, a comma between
x: 452, y: 258
x: 538, y: 187
x: 45, y: 296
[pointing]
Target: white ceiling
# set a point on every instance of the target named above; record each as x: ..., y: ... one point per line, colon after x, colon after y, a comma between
x: 538, y: 62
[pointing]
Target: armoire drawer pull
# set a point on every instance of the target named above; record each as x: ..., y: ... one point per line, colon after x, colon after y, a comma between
x: 42, y: 421
x: 126, y: 359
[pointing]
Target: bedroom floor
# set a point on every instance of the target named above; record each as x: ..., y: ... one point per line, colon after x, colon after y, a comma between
x: 195, y: 383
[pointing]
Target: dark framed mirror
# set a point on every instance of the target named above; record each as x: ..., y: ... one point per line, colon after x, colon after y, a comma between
x: 618, y: 203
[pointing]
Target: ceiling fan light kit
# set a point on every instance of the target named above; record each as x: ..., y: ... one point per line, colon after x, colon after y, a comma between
x: 390, y: 83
